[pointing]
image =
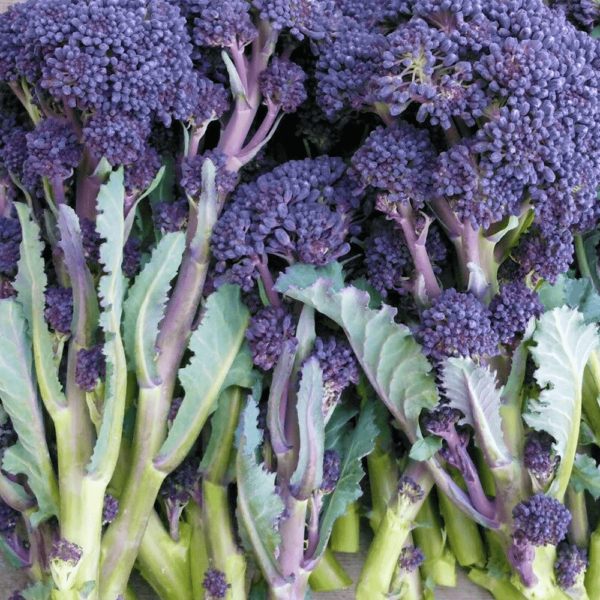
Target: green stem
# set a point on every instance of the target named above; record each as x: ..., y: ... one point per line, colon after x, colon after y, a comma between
x: 345, y: 535
x: 295, y: 590
x: 584, y: 268
x: 163, y: 562
x: 440, y: 563
x: 383, y: 480
x: 579, y: 527
x: 500, y: 588
x: 406, y: 586
x: 591, y: 390
x: 329, y: 575
x: 198, y: 553
x: 223, y: 551
x: 592, y: 575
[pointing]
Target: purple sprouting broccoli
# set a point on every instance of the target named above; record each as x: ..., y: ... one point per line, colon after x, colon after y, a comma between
x: 399, y: 161
x: 90, y: 368
x: 410, y: 490
x: 9, y: 518
x: 53, y: 150
x: 132, y: 256
x: 140, y: 173
x: 303, y: 18
x: 59, y: 309
x: 16, y: 595
x: 339, y: 366
x: 331, y: 470
x: 300, y: 211
x: 268, y: 331
x: 570, y: 564
x: 171, y: 216
x: 542, y: 520
x: 215, y: 584
x: 8, y: 435
x: 411, y: 558
x: 110, y: 510
x: 212, y: 101
x: 442, y: 422
x: 10, y: 241
x: 511, y: 309
x: 456, y: 325
x: 14, y: 152
x: 176, y: 491
x: 191, y: 179
x: 91, y: 242
x: 282, y: 84
x: 539, y: 456
x: 66, y: 552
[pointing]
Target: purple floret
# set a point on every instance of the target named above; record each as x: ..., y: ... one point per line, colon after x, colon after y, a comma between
x: 410, y: 490
x: 215, y: 584
x: 53, y: 149
x: 267, y: 334
x: 542, y: 520
x: 411, y: 558
x: 140, y: 173
x: 10, y: 241
x: 111, y: 508
x: 457, y: 325
x: 191, y: 179
x: 14, y: 153
x: 399, y: 160
x: 308, y: 18
x: 132, y: 255
x: 91, y: 242
x: 512, y: 308
x: 180, y: 484
x: 282, y: 84
x: 539, y: 455
x: 217, y: 23
x: 171, y: 216
x: 91, y: 367
x: 571, y: 562
x: 442, y: 420
x: 59, y: 309
x: 65, y: 551
x: 331, y: 470
x: 212, y: 101
x: 9, y: 518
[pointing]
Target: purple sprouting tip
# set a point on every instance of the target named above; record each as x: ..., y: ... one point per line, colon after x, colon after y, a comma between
x: 539, y: 456
x: 132, y: 256
x: 91, y: 367
x: 59, y: 309
x: 442, y: 420
x: 408, y: 488
x: 171, y: 217
x: 91, y: 242
x: 111, y: 508
x: 10, y: 241
x: 571, y: 561
x: 16, y: 595
x: 411, y: 558
x: 331, y: 470
x: 215, y: 583
x: 66, y: 552
x: 542, y: 520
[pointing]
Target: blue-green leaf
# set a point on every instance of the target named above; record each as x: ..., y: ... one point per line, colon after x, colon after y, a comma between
x: 145, y: 306
x: 563, y: 345
x: 586, y: 475
x: 30, y: 285
x: 39, y: 591
x: 303, y: 276
x: 259, y: 507
x: 425, y: 447
x: 18, y: 390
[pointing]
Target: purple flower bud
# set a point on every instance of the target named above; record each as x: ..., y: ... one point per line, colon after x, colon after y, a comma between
x: 59, y: 309
x: 410, y: 490
x: 411, y: 558
x: 571, y: 562
x: 91, y: 367
x: 331, y: 470
x: 111, y: 508
x: 66, y: 552
x: 215, y: 584
x: 542, y: 520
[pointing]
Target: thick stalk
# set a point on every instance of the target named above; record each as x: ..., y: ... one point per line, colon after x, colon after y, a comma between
x: 501, y: 589
x: 198, y: 552
x: 579, y: 529
x: 223, y: 551
x: 383, y: 481
x: 440, y: 563
x: 407, y: 585
x: 296, y: 590
x: 163, y: 563
x: 345, y: 535
x: 291, y: 555
x: 329, y: 575
x: 592, y: 574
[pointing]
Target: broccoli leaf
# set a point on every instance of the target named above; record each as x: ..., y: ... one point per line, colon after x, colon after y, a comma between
x: 215, y: 345
x: 425, y: 447
x: 30, y: 285
x: 563, y: 346
x: 472, y: 389
x: 303, y: 276
x: 242, y: 372
x: 110, y: 225
x: 309, y: 472
x: 39, y: 591
x: 386, y: 350
x: 585, y: 475
x: 338, y: 426
x: 145, y: 306
x: 582, y: 295
x: 359, y: 443
x: 259, y: 507
x: 18, y: 391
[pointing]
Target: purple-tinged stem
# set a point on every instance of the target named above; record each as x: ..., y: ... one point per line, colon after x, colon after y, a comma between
x: 263, y: 268
x: 314, y: 505
x: 241, y: 63
x: 58, y: 191
x: 521, y: 556
x: 258, y: 138
x: 478, y: 497
x: 446, y: 217
x: 292, y: 530
x: 88, y: 186
x: 196, y: 137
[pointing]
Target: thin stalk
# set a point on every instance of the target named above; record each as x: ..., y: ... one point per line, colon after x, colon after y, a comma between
x: 329, y: 575
x: 584, y: 268
x: 592, y: 574
x: 345, y: 535
x: 579, y: 529
x: 198, y: 552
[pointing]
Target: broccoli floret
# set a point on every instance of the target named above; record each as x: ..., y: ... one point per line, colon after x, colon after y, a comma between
x: 539, y: 456
x: 542, y: 520
x: 90, y: 368
x: 411, y: 558
x: 571, y: 562
x: 215, y: 584
x: 59, y: 309
x: 282, y: 84
x: 331, y: 470
x: 110, y: 510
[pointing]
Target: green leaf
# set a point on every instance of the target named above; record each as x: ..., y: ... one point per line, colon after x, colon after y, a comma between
x: 303, y: 276
x: 347, y: 490
x: 425, y: 448
x: 18, y: 390
x: 338, y: 426
x: 363, y: 285
x: 582, y: 295
x: 553, y: 296
x: 242, y: 372
x: 85, y: 303
x: 132, y: 211
x: 590, y: 243
x: 39, y: 591
x: 309, y: 473
x: 585, y: 475
x: 30, y: 285
x: 259, y: 507
x: 563, y: 346
x: 110, y: 225
x: 472, y: 389
x: 386, y: 350
x: 215, y: 345
x: 145, y: 306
